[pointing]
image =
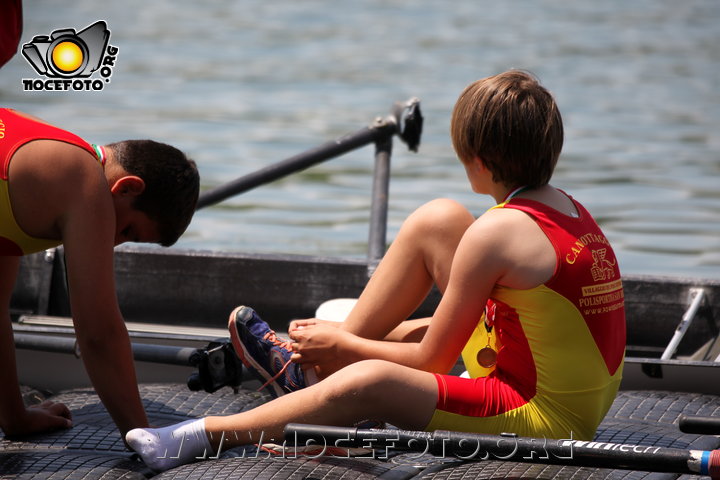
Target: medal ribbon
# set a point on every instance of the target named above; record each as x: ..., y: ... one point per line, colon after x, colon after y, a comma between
x: 514, y: 193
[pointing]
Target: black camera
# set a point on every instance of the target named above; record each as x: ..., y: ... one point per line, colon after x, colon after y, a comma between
x: 67, y: 53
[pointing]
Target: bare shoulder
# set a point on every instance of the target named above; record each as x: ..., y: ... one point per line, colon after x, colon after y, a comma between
x: 500, y: 224
x: 55, y: 165
x: 524, y: 255
x: 489, y: 243
x: 68, y: 177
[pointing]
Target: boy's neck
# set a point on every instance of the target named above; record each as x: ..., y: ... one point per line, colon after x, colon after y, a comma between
x: 514, y: 192
x: 501, y: 192
x: 113, y: 170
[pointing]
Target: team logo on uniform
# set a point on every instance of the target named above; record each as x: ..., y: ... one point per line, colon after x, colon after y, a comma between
x: 71, y: 60
x: 602, y: 268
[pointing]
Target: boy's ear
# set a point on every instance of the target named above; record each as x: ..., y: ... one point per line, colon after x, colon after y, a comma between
x: 478, y: 164
x: 129, y: 185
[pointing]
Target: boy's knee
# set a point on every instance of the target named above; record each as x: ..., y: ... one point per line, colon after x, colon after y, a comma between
x: 443, y: 211
x: 356, y: 381
x: 442, y: 219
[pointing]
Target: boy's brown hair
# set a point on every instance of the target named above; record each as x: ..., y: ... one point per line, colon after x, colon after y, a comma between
x: 512, y: 124
x: 172, y: 184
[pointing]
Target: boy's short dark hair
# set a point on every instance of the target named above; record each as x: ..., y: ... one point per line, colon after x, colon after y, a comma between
x: 512, y: 124
x: 172, y: 184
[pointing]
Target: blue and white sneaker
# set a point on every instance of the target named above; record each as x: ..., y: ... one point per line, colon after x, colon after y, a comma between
x: 265, y: 355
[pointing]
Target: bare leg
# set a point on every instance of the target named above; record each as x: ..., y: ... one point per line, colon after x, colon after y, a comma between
x: 421, y: 255
x: 372, y: 389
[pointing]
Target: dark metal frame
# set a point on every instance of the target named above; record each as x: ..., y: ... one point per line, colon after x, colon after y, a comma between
x: 405, y: 120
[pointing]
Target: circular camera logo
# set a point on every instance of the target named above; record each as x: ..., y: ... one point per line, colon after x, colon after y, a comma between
x: 69, y: 59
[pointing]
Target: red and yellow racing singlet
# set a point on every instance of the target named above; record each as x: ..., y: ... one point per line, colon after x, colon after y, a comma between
x: 560, y: 345
x: 15, y: 131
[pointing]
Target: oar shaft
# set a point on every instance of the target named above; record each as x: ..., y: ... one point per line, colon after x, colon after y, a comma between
x: 699, y: 425
x: 519, y: 449
x: 383, y: 129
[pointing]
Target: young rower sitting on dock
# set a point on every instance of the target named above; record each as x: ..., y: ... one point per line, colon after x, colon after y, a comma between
x: 532, y: 298
x: 55, y: 188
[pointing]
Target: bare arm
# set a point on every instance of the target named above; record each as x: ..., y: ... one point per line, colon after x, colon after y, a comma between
x: 504, y: 247
x: 88, y: 231
x: 15, y: 419
x: 477, y: 265
x: 11, y: 404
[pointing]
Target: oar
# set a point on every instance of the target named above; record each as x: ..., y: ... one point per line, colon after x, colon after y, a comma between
x: 699, y: 425
x: 405, y: 120
x: 471, y: 446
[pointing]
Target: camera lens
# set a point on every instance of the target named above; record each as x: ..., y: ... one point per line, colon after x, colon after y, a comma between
x: 67, y: 56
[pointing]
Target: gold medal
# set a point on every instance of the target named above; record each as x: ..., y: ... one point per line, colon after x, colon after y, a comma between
x: 487, y: 357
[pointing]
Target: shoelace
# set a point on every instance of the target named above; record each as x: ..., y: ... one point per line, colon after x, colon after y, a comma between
x: 272, y: 337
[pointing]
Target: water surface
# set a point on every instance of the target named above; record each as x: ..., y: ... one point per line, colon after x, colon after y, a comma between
x: 240, y: 84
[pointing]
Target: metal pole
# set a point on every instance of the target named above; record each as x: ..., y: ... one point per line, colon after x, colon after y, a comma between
x: 142, y: 352
x: 365, y: 136
x: 405, y: 120
x: 696, y: 296
x: 379, y: 207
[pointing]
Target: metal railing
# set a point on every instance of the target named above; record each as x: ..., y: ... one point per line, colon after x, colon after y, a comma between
x: 405, y: 121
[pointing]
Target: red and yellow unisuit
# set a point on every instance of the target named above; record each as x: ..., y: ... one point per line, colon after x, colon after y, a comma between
x: 560, y: 345
x: 17, y: 130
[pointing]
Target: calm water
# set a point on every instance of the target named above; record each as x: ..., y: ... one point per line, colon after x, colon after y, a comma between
x: 240, y: 84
